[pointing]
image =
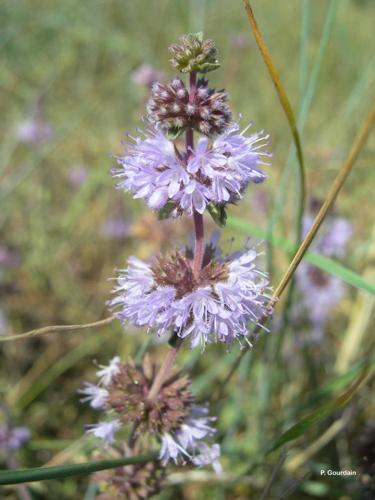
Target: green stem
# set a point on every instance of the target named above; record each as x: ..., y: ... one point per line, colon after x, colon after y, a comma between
x: 44, y: 473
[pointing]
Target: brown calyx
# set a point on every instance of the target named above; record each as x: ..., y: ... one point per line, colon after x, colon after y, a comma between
x: 132, y: 482
x: 176, y: 271
x: 128, y: 397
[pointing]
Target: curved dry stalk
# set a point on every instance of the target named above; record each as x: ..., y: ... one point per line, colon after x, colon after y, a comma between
x: 341, y: 177
x: 57, y: 329
x: 285, y: 103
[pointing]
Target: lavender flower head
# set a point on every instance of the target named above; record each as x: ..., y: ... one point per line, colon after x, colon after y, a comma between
x: 215, y: 172
x: 217, y: 305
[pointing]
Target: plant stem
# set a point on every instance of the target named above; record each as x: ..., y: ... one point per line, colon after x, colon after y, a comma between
x: 58, y: 329
x: 197, y: 217
x: 198, y: 256
x: 199, y: 243
x: 163, y: 371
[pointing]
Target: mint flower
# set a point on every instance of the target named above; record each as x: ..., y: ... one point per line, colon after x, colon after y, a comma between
x: 217, y: 305
x: 215, y: 172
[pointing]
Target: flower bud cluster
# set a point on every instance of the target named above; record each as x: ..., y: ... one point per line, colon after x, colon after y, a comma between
x: 194, y: 54
x: 176, y: 109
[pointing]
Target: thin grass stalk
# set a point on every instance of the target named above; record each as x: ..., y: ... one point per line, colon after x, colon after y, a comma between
x: 58, y: 329
x: 304, y: 109
x: 303, y: 64
x: 285, y: 103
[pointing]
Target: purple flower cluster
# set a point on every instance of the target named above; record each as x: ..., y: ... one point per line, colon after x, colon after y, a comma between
x: 215, y: 171
x: 209, y: 311
x: 179, y: 445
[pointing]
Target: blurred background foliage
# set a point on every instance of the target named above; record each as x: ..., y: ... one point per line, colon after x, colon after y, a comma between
x: 64, y: 228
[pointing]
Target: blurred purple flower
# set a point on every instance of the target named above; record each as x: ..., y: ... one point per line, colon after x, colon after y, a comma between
x: 12, y: 438
x: 8, y: 257
x: 208, y: 455
x: 333, y: 236
x: 334, y: 242
x: 78, y: 175
x: 321, y: 291
x: 116, y: 228
x: 146, y: 75
x: 3, y: 323
x: 240, y: 40
x: 180, y: 425
x: 34, y: 131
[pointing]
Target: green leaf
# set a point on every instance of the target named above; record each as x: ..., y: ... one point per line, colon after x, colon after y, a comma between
x: 174, y: 132
x: 336, y: 384
x: 218, y: 213
x: 165, y: 212
x: 17, y: 476
x: 326, y: 264
x: 319, y: 414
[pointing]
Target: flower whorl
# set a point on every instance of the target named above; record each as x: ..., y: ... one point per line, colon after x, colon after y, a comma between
x: 217, y: 305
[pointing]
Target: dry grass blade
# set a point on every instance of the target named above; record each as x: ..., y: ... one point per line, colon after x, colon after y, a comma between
x: 344, y: 171
x: 341, y: 177
x: 285, y: 103
x: 57, y: 329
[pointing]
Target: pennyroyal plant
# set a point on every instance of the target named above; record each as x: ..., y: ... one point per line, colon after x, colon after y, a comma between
x: 202, y: 294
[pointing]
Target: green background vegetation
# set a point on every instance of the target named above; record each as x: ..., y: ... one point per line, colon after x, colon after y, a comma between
x: 79, y: 56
